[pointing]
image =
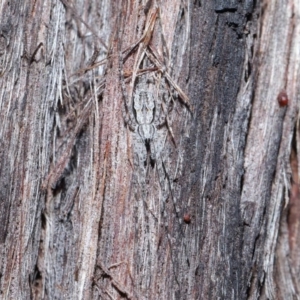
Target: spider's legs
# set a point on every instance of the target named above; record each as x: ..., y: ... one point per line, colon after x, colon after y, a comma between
x: 156, y: 157
x: 157, y: 111
x: 129, y: 118
x: 162, y: 106
x: 140, y: 158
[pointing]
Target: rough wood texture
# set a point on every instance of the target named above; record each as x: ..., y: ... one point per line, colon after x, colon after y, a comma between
x: 76, y: 224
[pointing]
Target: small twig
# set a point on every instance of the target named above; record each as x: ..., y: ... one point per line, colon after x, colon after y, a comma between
x: 100, y: 292
x: 109, y: 295
x: 90, y: 67
x: 153, y: 57
x: 73, y: 10
x: 120, y: 263
x: 142, y: 47
x: 114, y: 282
x: 58, y: 169
x: 140, y: 72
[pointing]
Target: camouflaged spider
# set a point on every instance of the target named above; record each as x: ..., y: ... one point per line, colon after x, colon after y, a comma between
x: 146, y: 108
x: 144, y: 117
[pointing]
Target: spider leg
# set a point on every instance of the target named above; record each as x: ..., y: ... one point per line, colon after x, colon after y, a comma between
x: 140, y: 157
x: 170, y: 191
x: 129, y: 118
x: 157, y: 112
x: 152, y: 144
x: 160, y: 116
x: 160, y: 171
x: 155, y: 154
x: 167, y: 186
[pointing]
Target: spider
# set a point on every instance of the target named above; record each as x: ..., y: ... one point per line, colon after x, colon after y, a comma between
x: 144, y: 117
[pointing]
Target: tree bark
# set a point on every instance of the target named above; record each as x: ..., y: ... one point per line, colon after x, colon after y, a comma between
x: 207, y: 208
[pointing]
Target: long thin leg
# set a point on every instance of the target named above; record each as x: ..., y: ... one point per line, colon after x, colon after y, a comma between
x: 139, y: 172
x: 158, y: 104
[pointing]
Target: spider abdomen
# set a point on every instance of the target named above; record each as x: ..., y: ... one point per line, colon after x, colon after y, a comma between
x: 146, y: 131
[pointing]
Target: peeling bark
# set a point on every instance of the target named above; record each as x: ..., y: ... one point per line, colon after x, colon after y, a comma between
x: 79, y: 222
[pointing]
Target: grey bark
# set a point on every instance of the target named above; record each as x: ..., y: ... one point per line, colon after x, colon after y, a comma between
x: 75, y: 223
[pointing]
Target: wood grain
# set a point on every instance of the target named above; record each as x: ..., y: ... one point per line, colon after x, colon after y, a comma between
x: 75, y: 225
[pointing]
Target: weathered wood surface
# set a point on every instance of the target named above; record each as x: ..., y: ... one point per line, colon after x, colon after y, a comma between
x: 76, y: 225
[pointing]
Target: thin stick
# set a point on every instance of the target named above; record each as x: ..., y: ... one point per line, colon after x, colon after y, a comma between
x: 153, y: 57
x: 115, y: 283
x: 142, y: 47
x: 73, y: 10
